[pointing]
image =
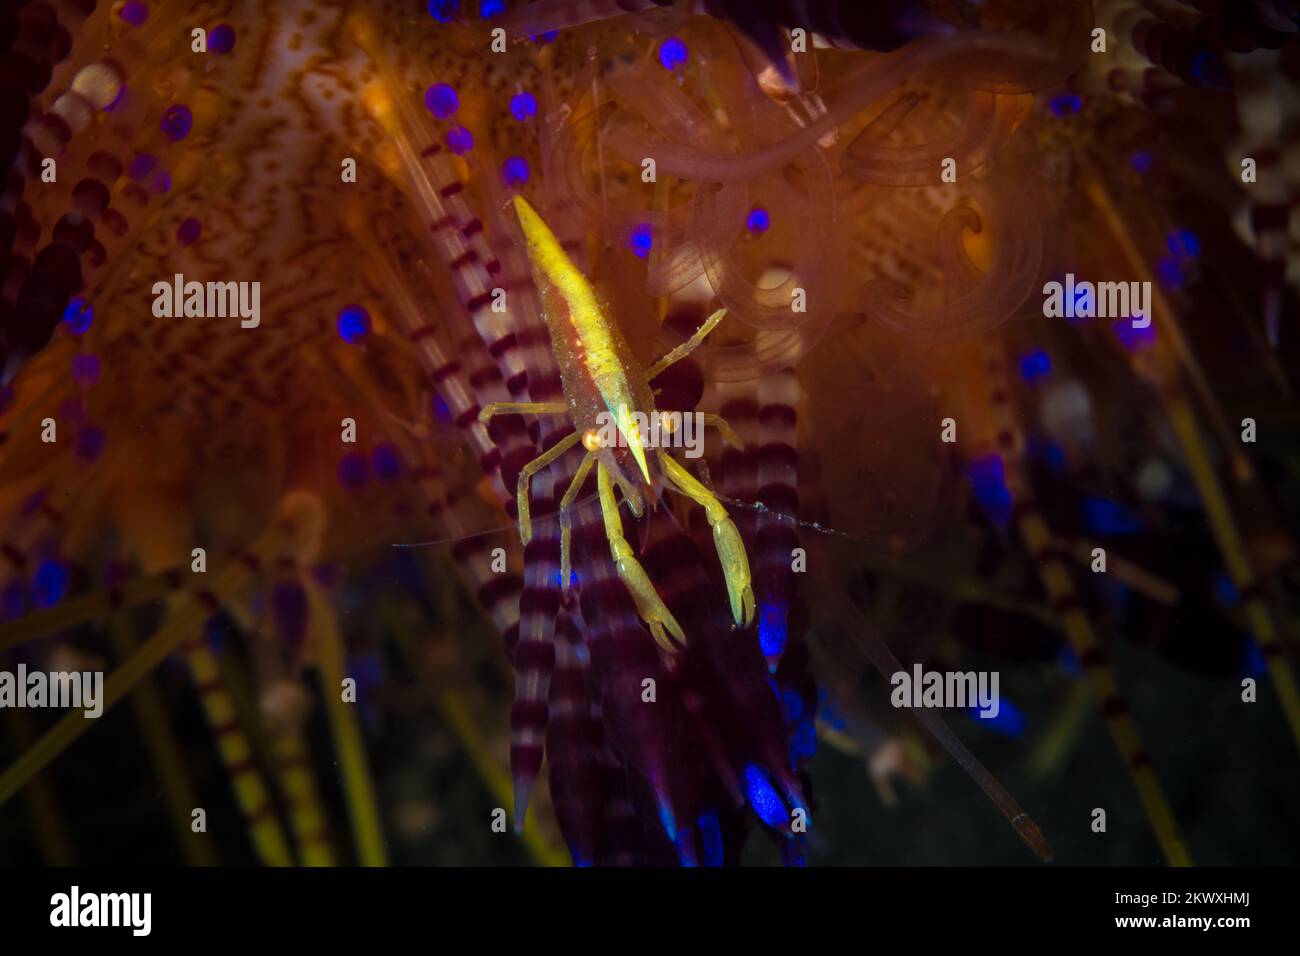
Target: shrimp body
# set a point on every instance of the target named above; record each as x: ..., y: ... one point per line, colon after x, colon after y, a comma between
x: 608, y: 398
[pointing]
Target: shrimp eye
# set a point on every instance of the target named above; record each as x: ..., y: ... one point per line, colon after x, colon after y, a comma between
x: 591, y: 440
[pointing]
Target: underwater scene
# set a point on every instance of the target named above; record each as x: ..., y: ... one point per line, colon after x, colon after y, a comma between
x: 649, y: 433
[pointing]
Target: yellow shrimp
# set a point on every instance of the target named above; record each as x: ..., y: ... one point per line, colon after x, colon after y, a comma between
x: 607, y: 393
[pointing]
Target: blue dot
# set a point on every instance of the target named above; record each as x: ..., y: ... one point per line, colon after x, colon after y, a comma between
x: 352, y: 470
x: 387, y: 463
x: 672, y: 53
x: 443, y: 10
x: 758, y: 220
x: 176, y: 123
x: 49, y: 583
x: 641, y: 240
x: 134, y: 13
x: 221, y: 39
x: 142, y: 165
x: 354, y: 324
x: 515, y: 171
x: 1171, y: 276
x: 1035, y: 365
x: 85, y: 368
x: 90, y: 442
x: 1066, y: 103
x: 459, y: 140
x: 78, y: 316
x: 1141, y: 161
x: 441, y: 100
x: 523, y: 105
x: 1186, y: 239
x: 490, y: 8
x: 763, y: 797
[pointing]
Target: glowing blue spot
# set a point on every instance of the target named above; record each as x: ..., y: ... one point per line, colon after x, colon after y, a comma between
x: 222, y: 39
x: 353, y: 324
x: 214, y: 635
x: 188, y: 231
x: 1069, y: 662
x: 667, y: 820
x: 443, y: 10
x: 1048, y: 451
x: 804, y: 743
x: 142, y: 165
x: 490, y: 8
x: 1134, y: 339
x: 440, y: 410
x: 989, y: 483
x: 758, y: 220
x: 827, y: 712
x: 1066, y: 103
x: 387, y: 463
x: 515, y: 171
x: 1225, y: 590
x: 792, y: 854
x: 366, y: 669
x: 1141, y: 161
x: 1109, y: 517
x: 459, y: 140
x: 1183, y: 243
x: 90, y: 442
x: 523, y: 105
x: 134, y: 13
x: 441, y: 100
x: 176, y: 122
x: 1170, y: 274
x: 85, y: 368
x: 1254, y: 663
x: 1008, y: 721
x: 1083, y: 300
x: 573, y: 578
x: 771, y: 629
x: 352, y: 470
x: 641, y: 240
x: 582, y: 861
x: 673, y: 53
x: 1207, y: 70
x: 711, y: 836
x: 792, y: 704
x: 78, y: 316
x: 763, y: 797
x: 49, y: 583
x: 1035, y: 365
x: 547, y: 37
